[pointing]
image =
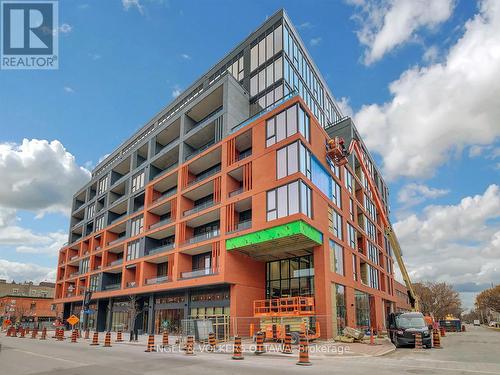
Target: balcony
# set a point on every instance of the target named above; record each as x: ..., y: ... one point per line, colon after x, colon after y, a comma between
x: 116, y: 262
x: 74, y: 274
x: 112, y: 286
x: 203, y: 237
x: 131, y: 284
x: 205, y: 175
x: 160, y: 223
x: 236, y: 192
x: 161, y: 249
x: 247, y: 224
x: 165, y: 195
x: 198, y: 273
x: 199, y: 208
x: 74, y: 257
x: 117, y: 241
x: 156, y: 280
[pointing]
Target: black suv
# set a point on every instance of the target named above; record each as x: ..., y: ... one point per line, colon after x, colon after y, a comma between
x: 403, y: 326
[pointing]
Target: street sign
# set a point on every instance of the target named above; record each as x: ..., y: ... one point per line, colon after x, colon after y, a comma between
x: 72, y: 320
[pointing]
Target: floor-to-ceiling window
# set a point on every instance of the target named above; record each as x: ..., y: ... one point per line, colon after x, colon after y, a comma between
x: 362, y: 304
x: 290, y: 277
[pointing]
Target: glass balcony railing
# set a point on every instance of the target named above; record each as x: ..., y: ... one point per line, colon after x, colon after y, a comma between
x: 156, y: 280
x: 242, y: 225
x: 161, y: 249
x: 204, y: 175
x: 160, y: 223
x: 117, y: 241
x: 204, y: 236
x: 112, y: 286
x: 199, y: 150
x: 116, y: 262
x: 199, y: 208
x: 198, y: 273
x: 165, y: 195
x: 236, y: 192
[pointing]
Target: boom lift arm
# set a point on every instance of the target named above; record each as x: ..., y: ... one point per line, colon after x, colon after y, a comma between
x: 339, y: 154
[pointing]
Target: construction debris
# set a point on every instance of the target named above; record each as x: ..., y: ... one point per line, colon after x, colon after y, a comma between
x: 354, y: 333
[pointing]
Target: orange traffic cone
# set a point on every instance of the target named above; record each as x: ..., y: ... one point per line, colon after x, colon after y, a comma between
x: 260, y: 343
x: 151, y: 344
x: 287, y: 347
x: 190, y: 345
x: 303, y: 351
x: 237, y: 352
x: 107, y: 340
x: 44, y: 334
x: 95, y: 339
x: 74, y: 336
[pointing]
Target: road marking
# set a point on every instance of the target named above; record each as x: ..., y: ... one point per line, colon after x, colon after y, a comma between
x: 50, y: 357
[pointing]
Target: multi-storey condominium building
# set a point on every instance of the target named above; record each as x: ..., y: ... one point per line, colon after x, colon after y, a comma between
x: 226, y: 197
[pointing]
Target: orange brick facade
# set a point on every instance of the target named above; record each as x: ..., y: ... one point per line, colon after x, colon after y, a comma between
x: 240, y: 185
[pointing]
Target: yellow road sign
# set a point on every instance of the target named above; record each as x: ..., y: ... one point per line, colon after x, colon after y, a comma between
x: 73, y: 319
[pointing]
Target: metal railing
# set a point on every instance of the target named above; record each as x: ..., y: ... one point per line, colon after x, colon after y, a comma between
x: 156, y: 280
x: 244, y: 155
x: 269, y: 108
x: 199, y: 208
x: 236, y: 192
x: 161, y: 249
x: 204, y: 175
x: 112, y: 286
x: 165, y: 195
x: 242, y: 225
x: 116, y: 262
x: 118, y: 240
x: 198, y: 273
x: 160, y: 223
x: 199, y: 150
x: 166, y: 170
x: 205, y: 119
x: 204, y: 236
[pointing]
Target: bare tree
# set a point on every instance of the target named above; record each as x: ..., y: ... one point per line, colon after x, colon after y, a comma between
x: 438, y: 299
x: 133, y: 311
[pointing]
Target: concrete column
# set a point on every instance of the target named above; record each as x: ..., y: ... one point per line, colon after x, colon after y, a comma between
x: 109, y: 314
x: 151, y: 314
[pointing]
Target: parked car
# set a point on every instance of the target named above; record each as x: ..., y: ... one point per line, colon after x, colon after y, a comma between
x: 404, y: 326
x: 477, y: 322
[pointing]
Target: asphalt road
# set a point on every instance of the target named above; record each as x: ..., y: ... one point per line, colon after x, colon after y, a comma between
x: 476, y: 351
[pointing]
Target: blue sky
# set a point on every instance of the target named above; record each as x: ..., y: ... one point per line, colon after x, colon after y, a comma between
x: 122, y: 61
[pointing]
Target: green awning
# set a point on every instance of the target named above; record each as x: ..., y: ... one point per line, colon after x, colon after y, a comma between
x: 292, y: 239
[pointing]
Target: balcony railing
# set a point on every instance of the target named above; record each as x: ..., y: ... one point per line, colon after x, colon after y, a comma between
x: 199, y: 208
x: 166, y: 170
x: 131, y: 284
x: 198, y: 273
x: 161, y: 249
x: 236, y: 192
x: 165, y: 195
x: 203, y: 237
x: 156, y: 280
x: 205, y: 119
x: 264, y: 111
x: 74, y: 274
x: 204, y: 175
x: 199, y: 150
x: 117, y: 241
x: 244, y: 154
x: 160, y: 223
x: 242, y: 225
x: 74, y: 257
x: 112, y: 286
x: 116, y: 262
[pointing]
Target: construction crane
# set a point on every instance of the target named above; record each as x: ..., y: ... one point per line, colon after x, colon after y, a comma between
x: 338, y: 153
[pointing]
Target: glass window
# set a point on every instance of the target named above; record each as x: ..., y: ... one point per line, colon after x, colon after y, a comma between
x: 254, y: 85
x: 293, y: 198
x: 280, y: 127
x: 278, y: 69
x: 288, y: 200
x: 254, y: 58
x: 362, y: 305
x: 137, y: 225
x: 351, y: 236
x: 292, y: 155
x: 269, y: 46
x: 354, y: 268
x: 291, y: 120
x: 341, y: 307
x: 278, y: 39
x: 336, y: 194
x: 269, y: 75
x: 262, y: 80
x: 138, y: 181
x: 262, y: 51
x: 281, y: 169
x: 290, y: 277
x: 337, y: 257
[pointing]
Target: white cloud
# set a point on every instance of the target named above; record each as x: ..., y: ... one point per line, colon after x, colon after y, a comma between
x: 69, y: 90
x: 38, y: 175
x: 305, y: 25
x: 414, y: 193
x: 431, y: 54
x: 65, y: 28
x: 454, y: 243
x: 20, y: 272
x: 386, y: 24
x: 95, y: 56
x: 127, y: 4
x: 315, y: 41
x: 436, y: 111
x: 185, y: 56
x: 176, y: 91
